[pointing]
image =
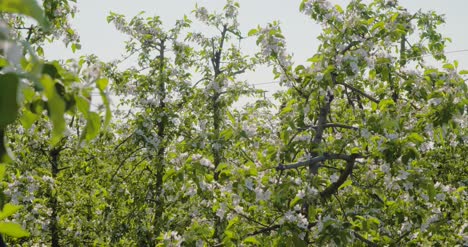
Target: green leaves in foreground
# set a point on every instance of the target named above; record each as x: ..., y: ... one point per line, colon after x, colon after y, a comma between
x: 8, y: 104
x: 12, y: 230
x: 9, y: 228
x: 101, y: 85
x: 56, y: 108
x: 25, y: 7
x: 8, y: 108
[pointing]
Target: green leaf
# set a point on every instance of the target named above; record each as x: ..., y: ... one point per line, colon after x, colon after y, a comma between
x: 93, y: 126
x: 102, y: 83
x: 28, y: 93
x: 463, y: 72
x: 394, y: 17
x: 28, y: 118
x: 83, y: 105
x: 416, y: 138
x: 286, y: 109
x: 448, y: 66
x: 51, y: 70
x: 227, y: 134
x: 252, y: 32
x: 5, y: 153
x: 8, y: 210
x: 12, y: 230
x: 294, y: 202
x: 232, y: 222
x: 169, y: 174
x: 378, y: 25
x: 56, y: 108
x: 8, y: 104
x: 108, y: 115
x: 251, y: 240
x: 75, y: 47
x: 373, y: 221
x: 329, y: 70
x: 231, y: 118
x: 346, y: 184
x: 229, y: 234
x: 25, y: 7
x: 339, y: 9
x: 2, y: 171
x: 385, y: 104
x: 355, y: 150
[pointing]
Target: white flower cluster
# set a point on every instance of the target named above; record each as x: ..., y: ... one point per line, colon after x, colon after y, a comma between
x: 23, y: 190
x: 327, y: 10
x: 273, y: 44
x: 249, y: 129
x: 151, y: 140
x: 261, y: 194
x: 295, y: 218
x: 202, y: 14
x: 121, y: 25
x: 228, y: 18
x: 62, y: 12
x: 203, y: 161
x: 231, y: 10
x: 172, y: 238
x: 93, y: 72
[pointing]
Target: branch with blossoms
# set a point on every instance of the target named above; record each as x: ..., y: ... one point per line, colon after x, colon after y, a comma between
x: 358, y: 91
x: 314, y: 162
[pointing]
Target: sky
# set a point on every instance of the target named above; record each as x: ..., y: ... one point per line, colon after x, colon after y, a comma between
x: 102, y: 39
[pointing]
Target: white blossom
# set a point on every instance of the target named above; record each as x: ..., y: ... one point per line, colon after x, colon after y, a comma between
x: 206, y: 163
x: 334, y: 177
x: 262, y: 195
x: 300, y: 194
x: 440, y: 197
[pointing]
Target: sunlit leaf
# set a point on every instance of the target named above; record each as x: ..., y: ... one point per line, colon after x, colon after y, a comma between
x: 93, y: 126
x: 8, y: 103
x: 346, y: 184
x: 13, y: 230
x: 8, y: 210
x: 56, y: 108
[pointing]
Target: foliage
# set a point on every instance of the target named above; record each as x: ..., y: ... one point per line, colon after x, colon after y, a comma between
x: 34, y: 90
x: 366, y: 145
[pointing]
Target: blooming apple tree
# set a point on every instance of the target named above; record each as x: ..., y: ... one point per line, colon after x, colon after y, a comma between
x: 368, y: 127
x: 365, y: 146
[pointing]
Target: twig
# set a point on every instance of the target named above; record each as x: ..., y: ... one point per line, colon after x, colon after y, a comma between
x: 331, y: 125
x: 359, y: 92
x: 264, y: 230
x: 333, y: 188
x: 314, y: 160
x: 365, y: 240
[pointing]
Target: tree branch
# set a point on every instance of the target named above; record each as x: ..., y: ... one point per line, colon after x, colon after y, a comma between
x: 365, y: 240
x: 359, y: 92
x: 330, y: 125
x: 314, y: 160
x: 333, y: 188
x: 264, y: 230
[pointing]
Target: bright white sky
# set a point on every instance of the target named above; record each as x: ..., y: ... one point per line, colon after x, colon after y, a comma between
x: 102, y: 39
